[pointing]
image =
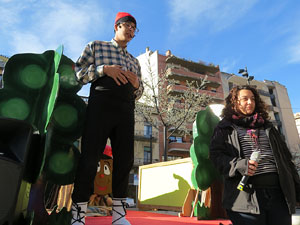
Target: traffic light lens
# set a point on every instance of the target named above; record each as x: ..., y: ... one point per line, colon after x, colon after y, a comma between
x: 16, y: 108
x: 65, y: 115
x: 33, y: 76
x: 67, y: 77
x: 61, y: 163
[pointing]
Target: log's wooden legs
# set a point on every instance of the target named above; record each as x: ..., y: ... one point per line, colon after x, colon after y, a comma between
x: 195, y: 202
x: 187, y: 207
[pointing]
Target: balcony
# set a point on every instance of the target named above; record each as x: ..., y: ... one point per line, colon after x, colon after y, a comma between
x: 193, y: 66
x: 179, y: 75
x: 140, y: 135
x: 265, y: 93
x: 141, y: 161
x: 174, y: 147
x: 179, y: 89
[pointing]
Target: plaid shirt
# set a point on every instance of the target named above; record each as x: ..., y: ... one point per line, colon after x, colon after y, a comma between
x: 89, y: 66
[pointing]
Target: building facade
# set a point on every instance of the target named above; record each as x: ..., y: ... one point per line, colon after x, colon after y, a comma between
x: 297, y: 119
x: 276, y: 97
x: 182, y: 71
x: 3, y: 60
x: 273, y: 93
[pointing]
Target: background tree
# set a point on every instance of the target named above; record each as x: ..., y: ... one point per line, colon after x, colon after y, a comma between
x: 174, y: 111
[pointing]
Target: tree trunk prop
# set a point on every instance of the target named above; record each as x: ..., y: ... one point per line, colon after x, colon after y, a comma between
x: 204, y: 173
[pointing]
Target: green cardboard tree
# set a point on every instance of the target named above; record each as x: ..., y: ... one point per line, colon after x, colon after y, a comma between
x: 204, y: 173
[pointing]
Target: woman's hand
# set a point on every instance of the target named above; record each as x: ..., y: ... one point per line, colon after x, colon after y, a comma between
x: 252, y: 166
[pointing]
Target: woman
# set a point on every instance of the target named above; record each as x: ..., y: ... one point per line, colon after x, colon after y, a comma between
x: 273, y: 188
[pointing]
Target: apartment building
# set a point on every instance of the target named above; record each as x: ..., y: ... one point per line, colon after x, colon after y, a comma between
x: 283, y: 113
x: 3, y: 60
x: 276, y: 97
x: 181, y: 70
x: 145, y: 143
x: 297, y: 120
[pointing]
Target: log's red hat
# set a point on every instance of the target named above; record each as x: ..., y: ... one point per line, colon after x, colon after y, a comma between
x: 124, y: 17
x: 108, y: 151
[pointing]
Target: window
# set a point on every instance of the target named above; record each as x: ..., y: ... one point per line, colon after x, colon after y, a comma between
x: 280, y: 129
x: 147, y: 155
x: 177, y: 82
x: 175, y: 139
x: 279, y: 126
x: 271, y: 91
x: 272, y: 96
x: 277, y: 117
x: 147, y: 130
x: 173, y: 157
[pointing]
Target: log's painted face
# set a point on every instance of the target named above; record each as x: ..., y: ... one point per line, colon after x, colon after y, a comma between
x: 103, y: 179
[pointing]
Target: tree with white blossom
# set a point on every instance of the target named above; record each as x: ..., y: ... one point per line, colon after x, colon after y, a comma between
x: 175, y: 111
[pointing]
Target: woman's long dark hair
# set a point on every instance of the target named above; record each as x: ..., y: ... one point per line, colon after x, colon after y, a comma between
x: 231, y: 103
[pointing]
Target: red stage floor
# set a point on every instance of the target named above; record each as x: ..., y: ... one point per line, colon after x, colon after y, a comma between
x: 149, y: 218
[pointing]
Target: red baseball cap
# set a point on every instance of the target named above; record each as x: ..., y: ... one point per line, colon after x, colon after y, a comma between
x: 124, y: 17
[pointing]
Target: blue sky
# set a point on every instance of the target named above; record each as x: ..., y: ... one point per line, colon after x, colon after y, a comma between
x: 263, y: 35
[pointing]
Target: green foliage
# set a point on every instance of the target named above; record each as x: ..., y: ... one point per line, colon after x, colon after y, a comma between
x: 204, y: 172
x: 203, y: 212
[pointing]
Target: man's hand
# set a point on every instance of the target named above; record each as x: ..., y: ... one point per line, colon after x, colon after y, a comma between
x: 133, y: 79
x: 116, y: 73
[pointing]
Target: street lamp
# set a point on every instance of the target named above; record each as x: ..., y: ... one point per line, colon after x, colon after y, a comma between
x: 245, y: 74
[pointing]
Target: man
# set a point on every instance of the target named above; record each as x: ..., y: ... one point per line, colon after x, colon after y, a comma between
x: 115, y: 78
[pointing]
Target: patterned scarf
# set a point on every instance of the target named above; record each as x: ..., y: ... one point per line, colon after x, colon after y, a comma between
x: 251, y: 123
x: 254, y: 121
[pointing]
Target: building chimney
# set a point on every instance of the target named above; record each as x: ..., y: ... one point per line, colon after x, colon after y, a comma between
x: 168, y: 53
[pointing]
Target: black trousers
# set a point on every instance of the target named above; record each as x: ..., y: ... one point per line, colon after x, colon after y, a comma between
x: 113, y: 118
x: 273, y: 210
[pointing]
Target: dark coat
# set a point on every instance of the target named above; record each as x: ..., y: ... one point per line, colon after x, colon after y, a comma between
x: 226, y: 154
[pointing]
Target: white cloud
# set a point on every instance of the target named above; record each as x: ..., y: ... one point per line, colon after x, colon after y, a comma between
x: 228, y: 65
x: 215, y: 15
x: 294, y: 51
x: 37, y: 26
x: 5, y: 1
x: 27, y: 42
x: 10, y: 12
x: 290, y: 48
x: 71, y: 24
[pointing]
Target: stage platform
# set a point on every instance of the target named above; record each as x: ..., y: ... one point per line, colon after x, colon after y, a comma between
x: 155, y: 218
